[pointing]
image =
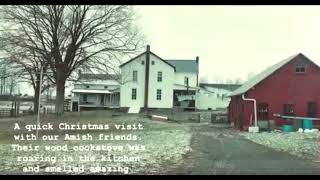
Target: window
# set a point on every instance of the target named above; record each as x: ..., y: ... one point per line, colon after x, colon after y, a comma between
x: 85, y: 97
x: 152, y: 62
x: 106, y: 87
x: 300, y: 67
x: 135, y: 76
x: 142, y: 62
x: 87, y: 86
x: 134, y: 94
x: 263, y: 111
x: 158, y: 94
x: 159, y: 76
x: 288, y: 109
x: 186, y: 81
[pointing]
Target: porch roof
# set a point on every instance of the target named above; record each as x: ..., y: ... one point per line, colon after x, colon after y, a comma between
x: 92, y: 91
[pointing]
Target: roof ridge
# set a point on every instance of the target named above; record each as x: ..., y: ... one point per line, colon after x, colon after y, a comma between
x: 263, y: 75
x: 180, y: 60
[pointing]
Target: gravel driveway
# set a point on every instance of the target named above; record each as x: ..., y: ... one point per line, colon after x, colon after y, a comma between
x: 219, y: 150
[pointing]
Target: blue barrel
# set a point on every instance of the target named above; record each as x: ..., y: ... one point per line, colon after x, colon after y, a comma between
x: 287, y: 128
x: 307, y: 124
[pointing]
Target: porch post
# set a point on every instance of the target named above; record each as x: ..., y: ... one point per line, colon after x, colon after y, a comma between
x: 79, y: 102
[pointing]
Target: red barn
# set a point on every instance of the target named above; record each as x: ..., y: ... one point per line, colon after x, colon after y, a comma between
x: 290, y: 87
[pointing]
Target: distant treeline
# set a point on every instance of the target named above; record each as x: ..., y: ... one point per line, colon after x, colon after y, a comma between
x: 15, y: 98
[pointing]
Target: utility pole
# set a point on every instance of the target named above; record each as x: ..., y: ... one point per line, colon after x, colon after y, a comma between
x: 38, y: 116
x: 187, y: 86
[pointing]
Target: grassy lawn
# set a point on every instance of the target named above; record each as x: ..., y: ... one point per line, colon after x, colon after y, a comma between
x: 165, y: 143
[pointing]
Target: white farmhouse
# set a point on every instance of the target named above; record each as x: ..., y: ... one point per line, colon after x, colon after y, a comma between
x: 96, y: 91
x: 148, y: 81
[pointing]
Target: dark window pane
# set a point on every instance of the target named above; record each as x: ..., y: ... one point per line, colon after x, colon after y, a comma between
x: 135, y: 75
x: 263, y: 111
x: 158, y: 94
x: 134, y: 94
x: 159, y: 78
x: 288, y: 109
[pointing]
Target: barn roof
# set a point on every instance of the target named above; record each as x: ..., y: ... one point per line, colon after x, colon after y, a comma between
x: 263, y: 75
x: 185, y: 65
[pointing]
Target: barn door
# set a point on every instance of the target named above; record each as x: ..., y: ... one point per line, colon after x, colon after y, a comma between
x: 312, y: 109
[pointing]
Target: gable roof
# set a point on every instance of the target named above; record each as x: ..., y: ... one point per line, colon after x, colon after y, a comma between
x: 185, y: 65
x: 150, y: 53
x: 264, y: 74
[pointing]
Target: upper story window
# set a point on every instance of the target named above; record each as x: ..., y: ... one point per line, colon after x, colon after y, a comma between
x: 159, y: 78
x: 152, y: 62
x: 142, y: 62
x: 300, y: 67
x: 135, y: 76
x: 106, y: 87
x: 87, y: 86
x: 186, y: 81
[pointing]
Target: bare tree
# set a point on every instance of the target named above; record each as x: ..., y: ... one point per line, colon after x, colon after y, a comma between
x: 68, y: 37
x: 10, y: 77
x: 19, y: 49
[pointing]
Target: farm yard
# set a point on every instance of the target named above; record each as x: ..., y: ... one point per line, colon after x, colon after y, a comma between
x: 172, y: 147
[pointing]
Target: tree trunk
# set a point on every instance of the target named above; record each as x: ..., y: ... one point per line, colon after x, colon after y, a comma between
x: 60, y: 90
x: 11, y: 87
x: 1, y: 87
x: 36, y: 98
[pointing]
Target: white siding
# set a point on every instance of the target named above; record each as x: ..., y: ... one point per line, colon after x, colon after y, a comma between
x: 166, y: 85
x: 127, y: 84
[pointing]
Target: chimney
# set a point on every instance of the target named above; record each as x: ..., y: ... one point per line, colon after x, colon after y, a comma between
x: 148, y: 47
x: 197, y: 59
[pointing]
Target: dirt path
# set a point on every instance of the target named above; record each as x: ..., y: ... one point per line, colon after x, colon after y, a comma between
x: 219, y: 150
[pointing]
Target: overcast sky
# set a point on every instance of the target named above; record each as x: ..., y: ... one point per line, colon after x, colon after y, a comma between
x: 232, y: 41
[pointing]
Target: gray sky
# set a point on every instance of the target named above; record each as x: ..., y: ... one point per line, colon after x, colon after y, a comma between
x: 232, y: 41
